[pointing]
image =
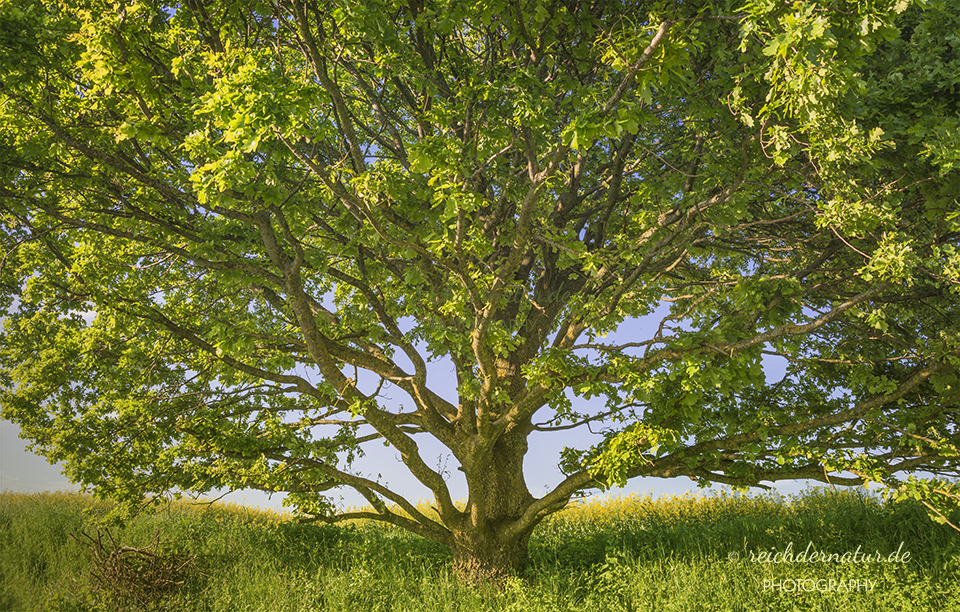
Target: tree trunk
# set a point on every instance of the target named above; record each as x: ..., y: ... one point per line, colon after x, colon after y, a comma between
x: 487, y: 543
x: 484, y: 556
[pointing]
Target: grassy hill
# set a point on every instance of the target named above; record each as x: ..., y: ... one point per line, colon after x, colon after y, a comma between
x: 819, y: 550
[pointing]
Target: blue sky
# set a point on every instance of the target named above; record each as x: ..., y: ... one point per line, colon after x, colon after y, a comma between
x: 21, y: 470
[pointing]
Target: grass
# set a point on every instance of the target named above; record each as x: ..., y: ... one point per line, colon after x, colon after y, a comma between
x: 632, y: 553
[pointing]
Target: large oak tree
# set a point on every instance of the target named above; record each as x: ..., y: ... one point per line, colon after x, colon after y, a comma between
x: 229, y: 227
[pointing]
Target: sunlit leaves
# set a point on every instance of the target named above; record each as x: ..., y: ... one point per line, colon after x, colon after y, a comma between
x: 228, y: 232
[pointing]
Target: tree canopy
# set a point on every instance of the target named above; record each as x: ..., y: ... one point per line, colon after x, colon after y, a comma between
x: 228, y: 228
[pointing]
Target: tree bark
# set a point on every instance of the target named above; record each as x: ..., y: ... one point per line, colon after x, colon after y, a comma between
x: 483, y: 556
x: 486, y: 544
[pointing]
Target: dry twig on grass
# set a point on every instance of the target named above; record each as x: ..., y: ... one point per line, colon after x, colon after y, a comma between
x: 137, y: 576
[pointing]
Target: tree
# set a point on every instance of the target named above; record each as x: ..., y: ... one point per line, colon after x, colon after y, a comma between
x: 227, y: 227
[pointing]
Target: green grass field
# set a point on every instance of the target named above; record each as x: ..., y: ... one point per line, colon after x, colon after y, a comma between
x: 720, y: 552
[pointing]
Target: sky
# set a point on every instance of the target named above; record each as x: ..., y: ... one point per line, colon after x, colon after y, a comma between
x: 23, y: 471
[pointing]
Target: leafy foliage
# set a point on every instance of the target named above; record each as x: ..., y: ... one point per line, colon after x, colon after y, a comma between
x: 228, y: 228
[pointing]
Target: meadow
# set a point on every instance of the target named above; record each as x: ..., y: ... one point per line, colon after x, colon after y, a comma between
x: 818, y: 550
